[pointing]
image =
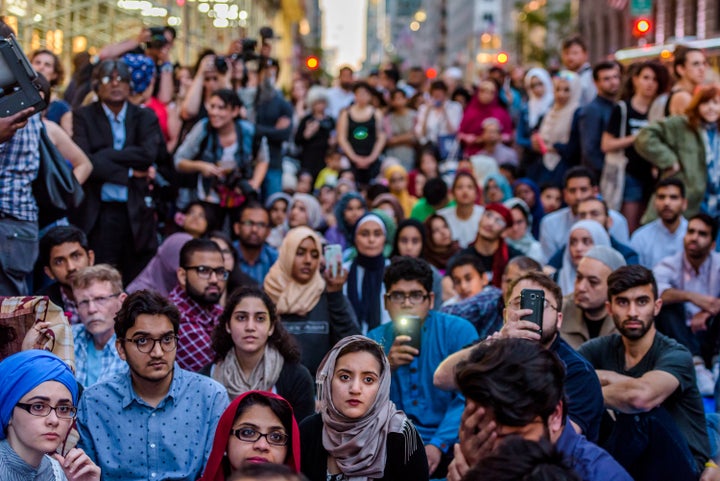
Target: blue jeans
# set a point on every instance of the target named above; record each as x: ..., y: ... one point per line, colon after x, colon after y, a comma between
x: 272, y: 183
x: 18, y: 253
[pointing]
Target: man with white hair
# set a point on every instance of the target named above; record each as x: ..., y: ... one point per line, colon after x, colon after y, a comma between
x: 584, y: 314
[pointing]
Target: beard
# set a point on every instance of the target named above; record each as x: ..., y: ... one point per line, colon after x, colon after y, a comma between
x: 203, y: 298
x: 633, y: 333
x: 266, y: 90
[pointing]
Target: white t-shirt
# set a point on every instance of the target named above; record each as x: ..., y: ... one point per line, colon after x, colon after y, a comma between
x: 463, y: 231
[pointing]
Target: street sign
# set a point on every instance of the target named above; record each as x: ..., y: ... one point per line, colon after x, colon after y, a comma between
x: 640, y: 7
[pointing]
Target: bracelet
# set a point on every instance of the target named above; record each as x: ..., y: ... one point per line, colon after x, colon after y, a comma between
x: 166, y: 67
x: 711, y: 464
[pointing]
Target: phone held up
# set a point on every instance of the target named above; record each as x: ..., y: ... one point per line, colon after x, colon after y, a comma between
x: 533, y: 299
x: 409, y: 326
x: 333, y: 259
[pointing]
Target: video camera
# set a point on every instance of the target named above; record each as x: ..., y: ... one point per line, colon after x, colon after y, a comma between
x: 18, y: 87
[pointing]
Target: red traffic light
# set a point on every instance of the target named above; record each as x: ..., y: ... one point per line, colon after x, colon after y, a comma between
x: 641, y: 27
x: 312, y: 62
x: 502, y: 58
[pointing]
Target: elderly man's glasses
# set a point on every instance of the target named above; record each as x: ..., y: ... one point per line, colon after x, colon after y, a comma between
x: 100, y: 301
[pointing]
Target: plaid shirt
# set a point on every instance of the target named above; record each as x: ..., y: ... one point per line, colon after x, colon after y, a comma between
x: 194, y: 350
x: 111, y: 362
x: 483, y: 310
x: 19, y: 162
x: 70, y: 308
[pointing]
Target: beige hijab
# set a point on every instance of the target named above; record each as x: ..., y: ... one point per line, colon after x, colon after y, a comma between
x: 556, y: 124
x: 359, y: 446
x: 289, y: 296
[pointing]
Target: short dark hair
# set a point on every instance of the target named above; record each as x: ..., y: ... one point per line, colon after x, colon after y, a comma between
x: 280, y: 339
x: 518, y: 459
x: 435, y: 191
x: 671, y: 181
x: 196, y: 245
x: 709, y: 221
x: 579, y: 172
x: 597, y: 198
x: 542, y: 280
x: 229, y: 97
x: 256, y: 205
x: 549, y: 185
x: 465, y: 260
x: 58, y: 235
x: 438, y: 85
x: 680, y: 56
x: 361, y: 84
x: 517, y: 378
x: 107, y: 67
x: 462, y: 92
x: 574, y: 40
x: 627, y: 277
x: 605, y: 65
x: 404, y: 268
x: 392, y: 74
x: 144, y: 302
x: 524, y: 263
x: 58, y: 68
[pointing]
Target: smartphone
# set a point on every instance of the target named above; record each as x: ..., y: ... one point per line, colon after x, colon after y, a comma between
x: 409, y: 326
x: 333, y: 259
x: 533, y: 299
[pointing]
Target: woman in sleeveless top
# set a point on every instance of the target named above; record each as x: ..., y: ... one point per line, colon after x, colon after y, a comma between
x: 360, y: 134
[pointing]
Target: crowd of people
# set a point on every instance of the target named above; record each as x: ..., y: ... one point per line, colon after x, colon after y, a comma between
x: 332, y: 286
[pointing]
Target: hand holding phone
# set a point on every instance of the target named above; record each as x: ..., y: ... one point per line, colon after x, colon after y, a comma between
x: 333, y: 259
x: 533, y: 299
x: 409, y: 326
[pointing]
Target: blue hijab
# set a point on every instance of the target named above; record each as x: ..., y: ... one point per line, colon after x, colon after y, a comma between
x: 342, y: 226
x: 23, y: 372
x: 536, y: 211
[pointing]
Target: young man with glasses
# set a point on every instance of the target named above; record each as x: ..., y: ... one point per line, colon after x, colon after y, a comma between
x: 202, y: 279
x: 585, y: 403
x: 157, y: 421
x: 436, y: 414
x: 99, y: 294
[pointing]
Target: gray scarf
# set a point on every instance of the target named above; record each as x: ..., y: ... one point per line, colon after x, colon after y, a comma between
x: 262, y: 378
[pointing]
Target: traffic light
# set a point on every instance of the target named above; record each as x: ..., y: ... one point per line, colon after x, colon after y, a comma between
x: 312, y: 62
x: 641, y: 27
x: 502, y: 58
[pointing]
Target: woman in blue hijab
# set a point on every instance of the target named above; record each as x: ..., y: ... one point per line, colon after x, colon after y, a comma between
x: 527, y: 190
x: 38, y: 394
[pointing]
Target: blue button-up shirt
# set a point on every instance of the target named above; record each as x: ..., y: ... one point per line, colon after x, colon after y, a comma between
x: 265, y: 260
x: 109, y: 358
x: 590, y: 461
x: 435, y: 413
x: 131, y: 440
x: 114, y: 192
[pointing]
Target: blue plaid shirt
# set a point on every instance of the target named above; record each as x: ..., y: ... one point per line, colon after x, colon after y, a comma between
x: 482, y: 310
x: 19, y: 162
x: 111, y: 362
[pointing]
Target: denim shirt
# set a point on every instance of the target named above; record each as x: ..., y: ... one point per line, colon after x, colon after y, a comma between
x: 132, y: 441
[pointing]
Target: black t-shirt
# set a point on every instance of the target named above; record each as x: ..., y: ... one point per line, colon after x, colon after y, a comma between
x: 684, y: 405
x: 637, y: 166
x: 593, y: 327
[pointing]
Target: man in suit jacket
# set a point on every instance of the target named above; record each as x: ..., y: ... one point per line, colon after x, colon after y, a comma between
x: 123, y: 142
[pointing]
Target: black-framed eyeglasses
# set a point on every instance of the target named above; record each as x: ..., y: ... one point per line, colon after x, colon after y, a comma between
x: 204, y: 272
x: 63, y: 411
x: 251, y: 224
x: 101, y: 301
x: 250, y: 435
x: 168, y: 343
x: 118, y: 78
x: 415, y: 297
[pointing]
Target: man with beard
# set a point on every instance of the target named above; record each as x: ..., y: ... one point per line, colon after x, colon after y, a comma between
x: 584, y: 406
x: 514, y: 387
x: 273, y: 120
x: 663, y: 237
x: 202, y: 279
x: 155, y: 421
x: 689, y: 285
x: 657, y: 430
x: 255, y: 256
x: 584, y: 313
x: 341, y: 96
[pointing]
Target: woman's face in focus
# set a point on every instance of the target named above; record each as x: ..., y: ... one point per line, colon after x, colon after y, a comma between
x: 250, y: 326
x: 440, y: 233
x: 306, y: 261
x: 410, y: 242
x: 298, y: 214
x: 710, y: 111
x: 370, y: 239
x: 355, y: 383
x: 257, y: 418
x: 33, y: 436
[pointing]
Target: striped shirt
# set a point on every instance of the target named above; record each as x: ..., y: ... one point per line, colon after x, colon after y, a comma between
x: 14, y: 468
